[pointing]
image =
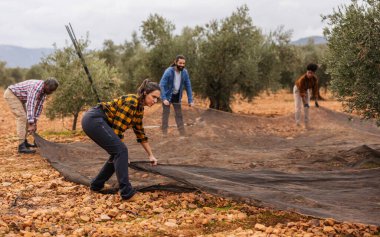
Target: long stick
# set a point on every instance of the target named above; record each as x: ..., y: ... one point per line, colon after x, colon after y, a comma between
x: 73, y: 38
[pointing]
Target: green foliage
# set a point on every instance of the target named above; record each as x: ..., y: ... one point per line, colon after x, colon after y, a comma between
x: 187, y: 44
x: 35, y: 72
x: 269, y: 65
x: 134, y: 64
x: 279, y: 60
x: 281, y: 63
x: 17, y: 73
x: 353, y: 35
x: 223, y: 57
x: 5, y: 80
x: 226, y: 57
x: 312, y: 53
x: 228, y: 60
x: 9, y: 76
x: 131, y: 59
x: 111, y: 53
x: 157, y: 33
x: 323, y: 76
x: 156, y: 30
x: 74, y: 91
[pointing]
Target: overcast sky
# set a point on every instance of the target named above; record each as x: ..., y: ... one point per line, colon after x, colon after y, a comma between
x: 40, y: 23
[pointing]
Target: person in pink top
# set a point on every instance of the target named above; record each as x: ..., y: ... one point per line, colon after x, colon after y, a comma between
x: 26, y: 99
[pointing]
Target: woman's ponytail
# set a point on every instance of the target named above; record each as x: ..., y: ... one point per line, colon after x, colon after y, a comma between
x: 147, y: 87
x: 142, y: 87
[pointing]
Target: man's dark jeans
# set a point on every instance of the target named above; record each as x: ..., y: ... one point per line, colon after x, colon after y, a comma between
x: 178, y: 115
x: 94, y: 124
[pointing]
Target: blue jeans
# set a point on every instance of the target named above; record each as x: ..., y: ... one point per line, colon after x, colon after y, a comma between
x: 94, y: 124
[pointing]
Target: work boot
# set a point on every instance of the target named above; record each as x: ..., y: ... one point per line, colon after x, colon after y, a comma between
x: 23, y: 149
x: 129, y: 195
x: 27, y: 144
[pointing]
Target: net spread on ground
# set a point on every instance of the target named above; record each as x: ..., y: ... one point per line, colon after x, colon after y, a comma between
x: 331, y: 169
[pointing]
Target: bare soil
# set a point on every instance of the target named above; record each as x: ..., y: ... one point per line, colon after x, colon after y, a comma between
x: 37, y: 201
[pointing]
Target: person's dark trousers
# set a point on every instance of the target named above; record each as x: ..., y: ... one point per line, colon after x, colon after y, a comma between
x: 94, y: 124
x: 165, y: 118
x: 178, y: 115
x: 179, y: 118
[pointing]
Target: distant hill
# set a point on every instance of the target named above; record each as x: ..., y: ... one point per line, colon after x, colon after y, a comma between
x: 16, y: 56
x: 304, y: 41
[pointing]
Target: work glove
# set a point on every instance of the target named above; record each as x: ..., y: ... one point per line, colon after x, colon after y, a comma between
x: 316, y: 104
x: 306, y: 106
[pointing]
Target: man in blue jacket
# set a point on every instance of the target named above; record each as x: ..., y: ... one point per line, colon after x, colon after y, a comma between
x: 172, y: 82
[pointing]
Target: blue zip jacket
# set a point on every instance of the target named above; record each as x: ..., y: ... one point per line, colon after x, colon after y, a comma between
x: 167, y: 85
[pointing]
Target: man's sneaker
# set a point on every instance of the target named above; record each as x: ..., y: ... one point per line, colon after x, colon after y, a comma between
x: 25, y: 150
x: 105, y: 190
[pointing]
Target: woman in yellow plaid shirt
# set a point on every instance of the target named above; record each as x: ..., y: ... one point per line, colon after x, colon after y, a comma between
x: 105, y: 125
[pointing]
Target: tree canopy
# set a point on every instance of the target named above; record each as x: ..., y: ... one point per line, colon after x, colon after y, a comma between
x: 224, y: 57
x: 353, y: 61
x: 228, y: 60
x: 74, y: 91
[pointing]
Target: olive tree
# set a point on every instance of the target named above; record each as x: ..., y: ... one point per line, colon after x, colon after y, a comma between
x: 157, y: 34
x: 74, y: 91
x: 353, y: 35
x: 228, y: 60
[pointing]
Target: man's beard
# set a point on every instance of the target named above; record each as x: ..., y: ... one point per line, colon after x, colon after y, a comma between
x: 180, y: 68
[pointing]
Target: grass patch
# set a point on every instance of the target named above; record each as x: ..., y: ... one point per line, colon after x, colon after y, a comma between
x: 370, y: 165
x: 67, y: 133
x: 160, y: 233
x: 226, y: 208
x: 266, y: 218
x: 270, y: 218
x: 216, y: 226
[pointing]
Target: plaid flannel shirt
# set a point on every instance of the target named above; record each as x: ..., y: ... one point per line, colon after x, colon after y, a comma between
x: 31, y: 93
x: 126, y: 112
